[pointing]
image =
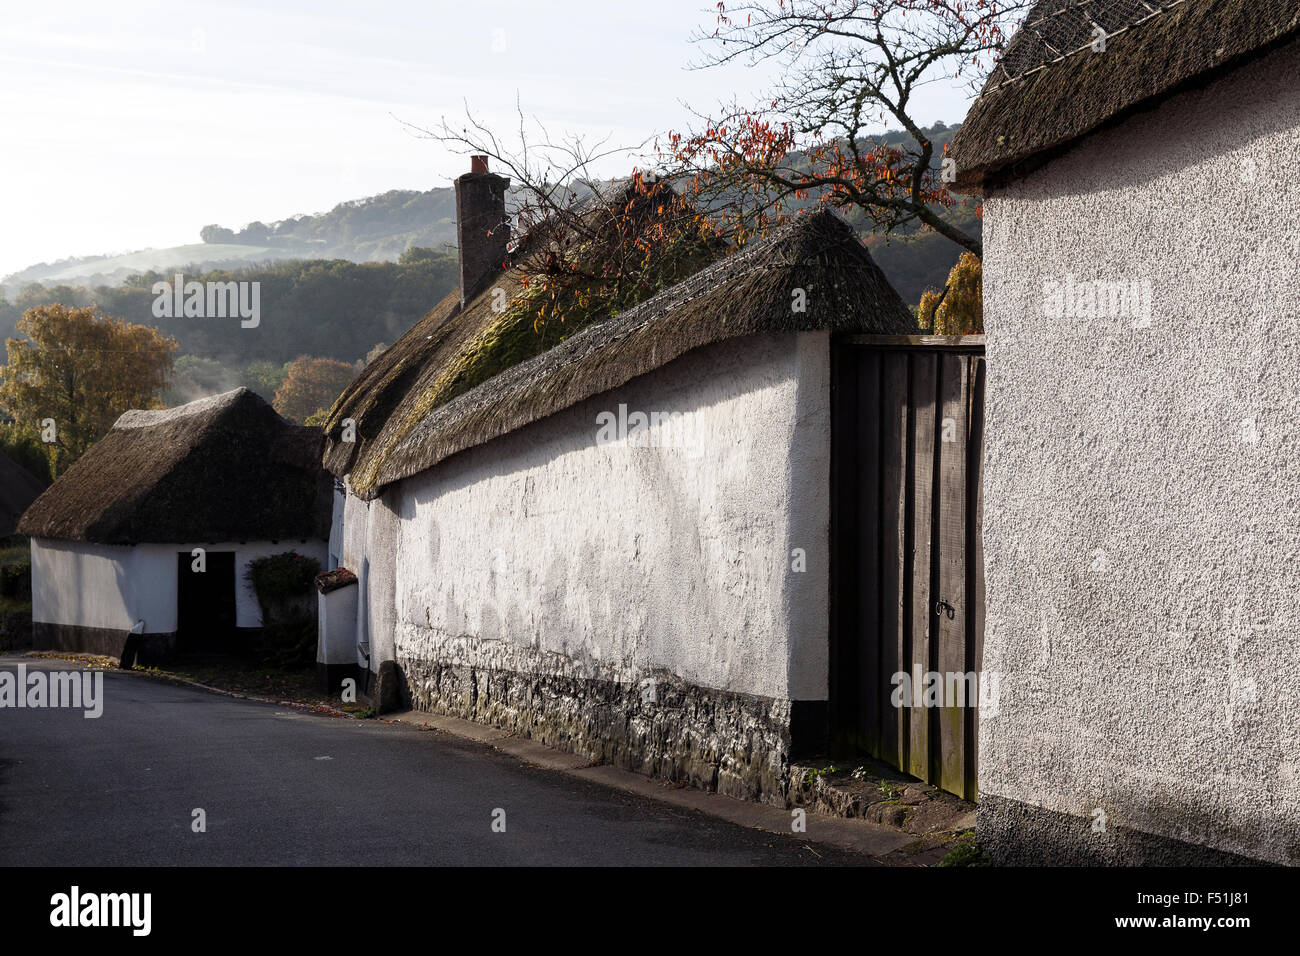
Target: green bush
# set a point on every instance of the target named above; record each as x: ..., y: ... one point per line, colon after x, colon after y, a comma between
x: 16, y: 580
x: 283, y: 583
x: 282, y: 577
x: 287, y: 641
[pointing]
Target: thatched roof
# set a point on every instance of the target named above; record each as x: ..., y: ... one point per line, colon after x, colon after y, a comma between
x: 225, y: 468
x: 18, y: 489
x: 399, y: 434
x: 1052, y: 88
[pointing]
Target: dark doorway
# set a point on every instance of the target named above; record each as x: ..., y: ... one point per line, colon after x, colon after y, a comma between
x: 907, y: 563
x: 205, y: 603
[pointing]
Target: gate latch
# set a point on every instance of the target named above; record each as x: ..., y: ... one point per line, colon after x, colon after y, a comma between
x: 941, y: 606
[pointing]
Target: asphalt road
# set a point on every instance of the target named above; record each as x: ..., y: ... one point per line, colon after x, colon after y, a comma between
x: 283, y: 787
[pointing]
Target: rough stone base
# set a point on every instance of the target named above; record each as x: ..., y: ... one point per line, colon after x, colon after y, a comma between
x: 735, y: 744
x: 387, y: 688
x: 1017, y: 834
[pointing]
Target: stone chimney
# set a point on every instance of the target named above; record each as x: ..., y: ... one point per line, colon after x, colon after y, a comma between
x: 482, y: 229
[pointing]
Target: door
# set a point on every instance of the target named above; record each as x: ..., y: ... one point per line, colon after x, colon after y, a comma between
x: 205, y: 603
x: 907, y: 601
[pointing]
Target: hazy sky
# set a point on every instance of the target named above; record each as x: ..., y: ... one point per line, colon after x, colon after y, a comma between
x: 132, y: 124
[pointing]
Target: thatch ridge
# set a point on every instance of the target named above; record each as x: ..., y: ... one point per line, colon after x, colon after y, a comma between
x: 224, y: 468
x: 748, y: 292
x: 1053, y: 89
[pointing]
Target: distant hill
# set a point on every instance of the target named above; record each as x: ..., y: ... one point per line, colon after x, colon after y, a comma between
x: 323, y: 307
x: 380, y: 228
x: 114, y: 270
x: 375, y: 229
x: 340, y: 283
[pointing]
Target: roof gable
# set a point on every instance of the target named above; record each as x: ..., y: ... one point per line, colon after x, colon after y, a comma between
x: 1052, y: 88
x: 225, y: 468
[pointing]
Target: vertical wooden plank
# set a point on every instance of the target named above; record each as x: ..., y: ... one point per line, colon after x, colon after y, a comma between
x: 893, y: 516
x: 921, y: 478
x: 950, y: 599
x: 867, y: 609
x: 975, y: 562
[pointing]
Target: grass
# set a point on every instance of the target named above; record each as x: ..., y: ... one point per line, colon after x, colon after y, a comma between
x: 965, y: 852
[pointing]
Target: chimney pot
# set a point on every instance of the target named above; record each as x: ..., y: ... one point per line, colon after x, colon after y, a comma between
x: 478, y: 164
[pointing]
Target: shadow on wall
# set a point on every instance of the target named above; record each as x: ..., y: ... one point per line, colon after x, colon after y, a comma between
x: 1018, y: 834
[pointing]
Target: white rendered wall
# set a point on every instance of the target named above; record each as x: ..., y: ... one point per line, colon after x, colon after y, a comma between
x: 1142, y: 486
x: 108, y: 586
x: 112, y: 586
x: 336, y: 527
x: 369, y: 535
x: 544, y: 550
x: 336, y: 621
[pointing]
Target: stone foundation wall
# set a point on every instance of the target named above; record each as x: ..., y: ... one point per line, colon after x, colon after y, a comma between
x: 735, y: 744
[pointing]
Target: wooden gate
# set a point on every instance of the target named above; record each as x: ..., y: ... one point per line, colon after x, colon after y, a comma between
x: 907, y: 570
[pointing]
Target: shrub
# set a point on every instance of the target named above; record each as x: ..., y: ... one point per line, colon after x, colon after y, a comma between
x: 16, y: 580
x: 281, y: 577
x: 283, y: 585
x: 287, y: 641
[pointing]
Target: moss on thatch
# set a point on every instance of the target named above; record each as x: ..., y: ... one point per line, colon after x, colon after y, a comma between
x: 1053, y: 88
x: 225, y: 468
x: 626, y: 242
x: 403, y: 428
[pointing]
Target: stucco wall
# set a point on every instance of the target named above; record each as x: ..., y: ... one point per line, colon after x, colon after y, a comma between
x: 111, y: 586
x: 1142, y: 485
x: 104, y: 586
x: 660, y: 562
x: 370, y: 543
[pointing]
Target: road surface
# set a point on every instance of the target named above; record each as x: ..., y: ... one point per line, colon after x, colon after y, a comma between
x: 282, y: 787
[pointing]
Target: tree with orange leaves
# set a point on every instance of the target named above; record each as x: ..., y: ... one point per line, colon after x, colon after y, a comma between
x: 311, y: 384
x: 959, y: 308
x: 74, y: 372
x: 584, y: 248
x: 850, y: 71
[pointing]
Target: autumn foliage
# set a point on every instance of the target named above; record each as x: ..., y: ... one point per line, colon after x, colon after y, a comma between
x: 312, y: 384
x: 76, y: 371
x: 850, y: 70
x: 959, y: 308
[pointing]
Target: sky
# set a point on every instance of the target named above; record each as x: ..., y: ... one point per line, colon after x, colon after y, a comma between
x: 133, y: 124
